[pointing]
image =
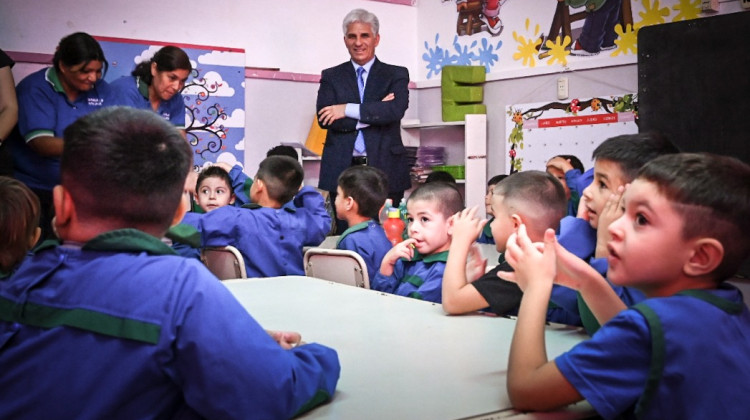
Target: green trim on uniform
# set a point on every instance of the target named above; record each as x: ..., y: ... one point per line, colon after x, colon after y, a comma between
x: 319, y: 398
x: 732, y: 308
x: 48, y: 317
x: 589, y: 321
x: 416, y: 295
x: 487, y: 230
x: 51, y: 76
x: 439, y: 257
x: 351, y: 229
x: 658, y: 350
x: 142, y: 87
x: 128, y: 240
x: 416, y: 281
x: 184, y: 234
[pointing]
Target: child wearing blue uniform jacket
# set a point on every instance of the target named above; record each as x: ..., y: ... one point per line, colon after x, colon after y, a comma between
x: 415, y: 266
x: 568, y: 169
x: 156, y: 85
x: 682, y: 352
x: 360, y: 194
x: 127, y: 328
x: 270, y: 236
x: 616, y: 162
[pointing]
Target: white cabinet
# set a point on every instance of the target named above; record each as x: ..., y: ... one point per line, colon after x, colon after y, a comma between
x: 465, y: 143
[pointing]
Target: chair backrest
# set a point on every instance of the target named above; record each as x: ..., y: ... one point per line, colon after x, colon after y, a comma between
x: 225, y: 262
x: 337, y: 265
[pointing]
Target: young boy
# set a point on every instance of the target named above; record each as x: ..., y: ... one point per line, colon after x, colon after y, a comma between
x: 569, y: 170
x: 112, y: 323
x: 681, y: 353
x: 269, y: 235
x: 533, y: 198
x: 361, y: 192
x: 414, y: 267
x: 19, y: 223
x: 616, y: 162
x: 214, y: 189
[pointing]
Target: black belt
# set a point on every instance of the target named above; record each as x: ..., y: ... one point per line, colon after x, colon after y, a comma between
x: 359, y: 160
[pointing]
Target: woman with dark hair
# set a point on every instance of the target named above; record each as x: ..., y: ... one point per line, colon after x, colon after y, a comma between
x: 48, y: 101
x: 155, y: 85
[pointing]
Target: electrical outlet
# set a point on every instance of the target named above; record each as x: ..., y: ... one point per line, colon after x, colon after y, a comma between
x: 710, y: 5
x: 745, y: 4
x: 562, y: 88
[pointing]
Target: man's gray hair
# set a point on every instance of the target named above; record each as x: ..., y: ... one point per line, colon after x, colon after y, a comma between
x: 361, y: 15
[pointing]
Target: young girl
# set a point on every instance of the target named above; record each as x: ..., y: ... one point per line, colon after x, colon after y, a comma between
x: 19, y: 223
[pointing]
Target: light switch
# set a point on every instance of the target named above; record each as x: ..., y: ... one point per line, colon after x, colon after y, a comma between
x: 562, y: 88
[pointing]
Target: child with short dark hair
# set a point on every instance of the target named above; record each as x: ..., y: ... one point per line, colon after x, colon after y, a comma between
x: 682, y: 352
x: 19, y: 223
x: 616, y: 162
x: 141, y: 332
x: 360, y: 195
x: 533, y: 198
x: 270, y: 238
x: 213, y: 188
x: 414, y: 267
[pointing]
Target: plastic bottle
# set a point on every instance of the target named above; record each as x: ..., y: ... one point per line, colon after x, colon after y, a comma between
x: 394, y: 226
x: 402, y: 210
x: 383, y: 215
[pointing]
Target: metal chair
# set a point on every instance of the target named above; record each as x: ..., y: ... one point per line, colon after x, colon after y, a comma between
x: 337, y: 265
x: 225, y: 262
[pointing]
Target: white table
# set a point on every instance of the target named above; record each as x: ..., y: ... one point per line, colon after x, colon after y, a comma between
x: 400, y: 358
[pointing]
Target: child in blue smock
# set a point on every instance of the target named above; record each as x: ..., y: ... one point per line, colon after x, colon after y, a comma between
x: 569, y: 170
x: 682, y: 352
x: 121, y: 319
x: 616, y: 162
x: 270, y: 235
x: 360, y: 195
x: 414, y: 267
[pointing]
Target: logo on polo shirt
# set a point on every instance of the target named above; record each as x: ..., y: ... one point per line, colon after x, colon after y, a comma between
x: 96, y: 101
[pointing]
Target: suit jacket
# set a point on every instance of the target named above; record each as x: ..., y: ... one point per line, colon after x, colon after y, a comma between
x: 385, y: 150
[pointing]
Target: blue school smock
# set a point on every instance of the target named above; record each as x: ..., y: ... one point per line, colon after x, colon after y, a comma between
x: 119, y: 328
x: 369, y: 241
x: 676, y: 357
x: 420, y: 278
x: 132, y: 91
x: 271, y: 240
x: 44, y: 110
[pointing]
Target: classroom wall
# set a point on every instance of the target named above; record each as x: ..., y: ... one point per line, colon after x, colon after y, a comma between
x: 301, y: 38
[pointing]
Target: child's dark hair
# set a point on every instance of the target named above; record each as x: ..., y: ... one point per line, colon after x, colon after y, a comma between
x: 168, y: 58
x: 535, y: 194
x: 440, y: 176
x: 282, y: 176
x: 496, y: 179
x: 125, y: 164
x: 445, y: 195
x: 19, y: 218
x: 368, y: 186
x: 712, y: 193
x: 631, y: 151
x: 78, y: 48
x: 574, y: 161
x: 283, y: 150
x: 215, y: 172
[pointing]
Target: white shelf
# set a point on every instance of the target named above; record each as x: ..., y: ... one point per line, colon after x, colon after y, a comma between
x: 432, y: 124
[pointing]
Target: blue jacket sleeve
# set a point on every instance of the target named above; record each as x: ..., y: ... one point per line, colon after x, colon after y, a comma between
x: 312, y: 207
x: 229, y: 366
x: 241, y: 184
x: 388, y: 284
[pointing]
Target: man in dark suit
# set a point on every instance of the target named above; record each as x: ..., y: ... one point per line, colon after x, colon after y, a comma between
x: 361, y: 103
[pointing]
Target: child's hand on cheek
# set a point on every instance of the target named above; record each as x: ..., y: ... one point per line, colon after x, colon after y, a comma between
x: 404, y: 249
x: 612, y: 211
x: 534, y: 263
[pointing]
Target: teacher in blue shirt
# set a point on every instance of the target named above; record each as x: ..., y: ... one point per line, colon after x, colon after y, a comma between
x: 361, y: 103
